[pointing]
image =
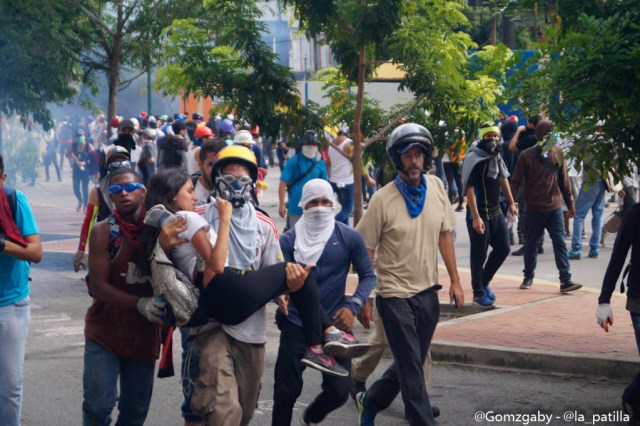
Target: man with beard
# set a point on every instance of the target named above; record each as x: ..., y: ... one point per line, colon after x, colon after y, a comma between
x: 484, y: 173
x: 408, y: 222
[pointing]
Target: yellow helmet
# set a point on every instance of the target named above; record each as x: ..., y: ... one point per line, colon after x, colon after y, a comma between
x: 235, y: 154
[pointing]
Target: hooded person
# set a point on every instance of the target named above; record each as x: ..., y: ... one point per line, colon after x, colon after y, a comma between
x: 317, y: 238
x: 484, y: 175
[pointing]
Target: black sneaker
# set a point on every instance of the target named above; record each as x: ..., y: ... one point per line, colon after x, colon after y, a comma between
x: 526, y: 283
x: 344, y: 345
x: 568, y: 286
x: 323, y: 362
x: 356, y: 387
x: 518, y: 252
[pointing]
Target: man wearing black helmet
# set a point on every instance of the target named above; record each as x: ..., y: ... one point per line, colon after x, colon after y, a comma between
x: 298, y: 170
x: 407, y: 222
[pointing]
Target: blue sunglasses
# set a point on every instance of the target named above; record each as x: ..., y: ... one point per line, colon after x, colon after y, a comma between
x: 129, y: 187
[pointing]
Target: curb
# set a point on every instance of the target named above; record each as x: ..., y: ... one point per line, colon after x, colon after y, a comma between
x: 534, y: 360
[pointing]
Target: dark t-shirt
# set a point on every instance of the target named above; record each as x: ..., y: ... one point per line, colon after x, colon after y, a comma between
x: 487, y: 191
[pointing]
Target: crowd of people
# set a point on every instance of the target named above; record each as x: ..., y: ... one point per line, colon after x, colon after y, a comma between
x: 174, y: 237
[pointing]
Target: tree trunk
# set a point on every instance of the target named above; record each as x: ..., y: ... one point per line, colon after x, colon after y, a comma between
x: 114, y: 76
x: 357, y: 147
x: 494, y: 24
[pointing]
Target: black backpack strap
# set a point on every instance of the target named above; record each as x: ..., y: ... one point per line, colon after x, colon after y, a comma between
x: 301, y: 177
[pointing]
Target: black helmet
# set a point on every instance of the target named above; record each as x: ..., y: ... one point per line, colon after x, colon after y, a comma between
x: 405, y: 136
x: 197, y: 116
x: 310, y: 138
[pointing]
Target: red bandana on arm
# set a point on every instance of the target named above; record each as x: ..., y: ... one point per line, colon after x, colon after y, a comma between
x: 7, y: 224
x: 131, y: 231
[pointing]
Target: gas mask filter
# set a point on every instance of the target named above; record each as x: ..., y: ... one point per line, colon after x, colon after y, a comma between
x: 235, y: 190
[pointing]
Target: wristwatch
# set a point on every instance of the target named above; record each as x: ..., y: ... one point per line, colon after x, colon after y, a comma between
x: 1, y: 244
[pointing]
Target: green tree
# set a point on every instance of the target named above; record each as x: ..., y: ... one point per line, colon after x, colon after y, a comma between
x: 587, y: 80
x: 221, y: 54
x: 422, y: 38
x: 35, y: 69
x: 117, y: 36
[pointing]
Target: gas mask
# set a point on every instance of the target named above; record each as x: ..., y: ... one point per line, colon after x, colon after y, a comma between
x: 489, y: 145
x: 235, y: 190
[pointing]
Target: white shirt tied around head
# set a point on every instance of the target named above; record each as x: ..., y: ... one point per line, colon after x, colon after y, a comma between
x: 316, y: 225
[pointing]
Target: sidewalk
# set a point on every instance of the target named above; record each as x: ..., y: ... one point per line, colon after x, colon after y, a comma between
x: 537, y: 329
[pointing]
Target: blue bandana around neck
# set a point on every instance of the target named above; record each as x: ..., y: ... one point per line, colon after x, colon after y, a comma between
x: 413, y: 197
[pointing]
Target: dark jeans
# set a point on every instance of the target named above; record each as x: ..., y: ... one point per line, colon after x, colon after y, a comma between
x: 50, y: 159
x: 632, y: 392
x: 288, y: 379
x: 189, y: 372
x: 81, y: 186
x: 451, y: 171
x: 535, y: 224
x: 345, y: 198
x: 409, y: 324
x: 231, y: 298
x: 496, y: 235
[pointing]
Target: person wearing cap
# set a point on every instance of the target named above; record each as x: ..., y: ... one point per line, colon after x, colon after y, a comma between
x: 484, y: 174
x: 408, y: 222
x: 100, y: 205
x: 542, y: 173
x: 126, y: 136
x: 341, y: 173
x: 148, y: 156
x: 81, y: 154
x: 298, y: 170
x: 318, y: 238
x: 175, y: 146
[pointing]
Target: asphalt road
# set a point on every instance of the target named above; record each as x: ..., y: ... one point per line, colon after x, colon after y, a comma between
x: 54, y: 364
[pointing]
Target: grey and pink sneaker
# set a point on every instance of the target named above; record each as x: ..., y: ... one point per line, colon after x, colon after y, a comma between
x: 344, y: 345
x: 323, y: 362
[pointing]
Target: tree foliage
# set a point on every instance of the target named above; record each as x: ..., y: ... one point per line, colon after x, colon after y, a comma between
x: 35, y: 65
x: 588, y: 81
x: 221, y: 54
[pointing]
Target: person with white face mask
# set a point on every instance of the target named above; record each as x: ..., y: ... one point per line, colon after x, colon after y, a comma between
x: 317, y: 238
x: 298, y: 170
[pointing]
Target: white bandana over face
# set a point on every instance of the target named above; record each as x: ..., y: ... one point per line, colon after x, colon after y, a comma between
x: 316, y: 225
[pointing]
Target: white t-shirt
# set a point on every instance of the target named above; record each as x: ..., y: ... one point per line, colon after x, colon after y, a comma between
x: 184, y: 256
x: 192, y: 164
x: 202, y: 193
x: 341, y: 167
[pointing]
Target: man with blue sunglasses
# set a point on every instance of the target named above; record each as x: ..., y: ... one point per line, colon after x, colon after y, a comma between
x: 121, y: 330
